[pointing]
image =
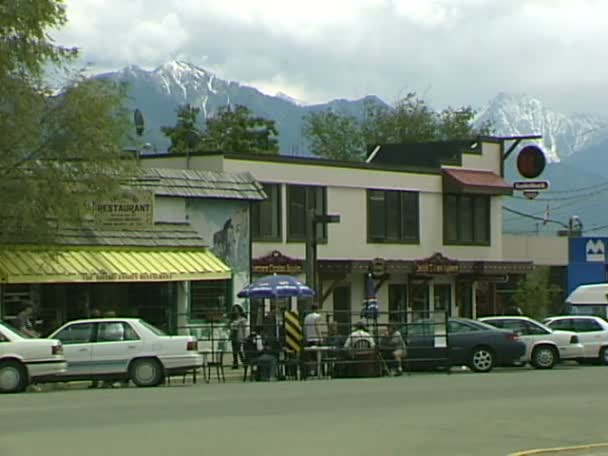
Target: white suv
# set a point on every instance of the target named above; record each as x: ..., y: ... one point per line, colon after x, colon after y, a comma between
x: 592, y: 332
x: 544, y: 346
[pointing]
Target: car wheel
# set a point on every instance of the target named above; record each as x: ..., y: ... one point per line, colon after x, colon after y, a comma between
x: 482, y: 360
x: 13, y: 377
x: 544, y: 357
x: 146, y: 372
x: 604, y: 356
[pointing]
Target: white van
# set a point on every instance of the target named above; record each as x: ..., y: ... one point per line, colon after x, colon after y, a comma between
x: 589, y: 300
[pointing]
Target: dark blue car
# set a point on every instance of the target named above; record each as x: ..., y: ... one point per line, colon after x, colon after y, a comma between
x: 466, y: 342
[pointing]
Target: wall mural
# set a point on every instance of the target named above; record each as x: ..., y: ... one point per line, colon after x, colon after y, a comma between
x: 224, y: 225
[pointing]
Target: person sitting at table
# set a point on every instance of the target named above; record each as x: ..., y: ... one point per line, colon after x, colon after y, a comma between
x: 360, y: 338
x: 260, y: 354
x: 393, y: 349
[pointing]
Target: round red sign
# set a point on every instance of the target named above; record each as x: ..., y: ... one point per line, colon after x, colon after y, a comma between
x: 531, y: 162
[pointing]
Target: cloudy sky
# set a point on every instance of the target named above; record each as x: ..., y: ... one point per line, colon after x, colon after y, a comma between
x: 452, y: 52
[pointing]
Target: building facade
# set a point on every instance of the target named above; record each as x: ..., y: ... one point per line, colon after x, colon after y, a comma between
x: 172, y: 250
x: 424, y: 221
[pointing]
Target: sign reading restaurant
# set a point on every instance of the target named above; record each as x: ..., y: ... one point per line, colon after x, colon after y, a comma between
x: 133, y: 210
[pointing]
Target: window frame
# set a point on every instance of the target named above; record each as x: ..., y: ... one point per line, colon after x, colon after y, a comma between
x: 126, y: 327
x: 404, y: 238
x: 474, y: 198
x: 256, y: 219
x: 297, y: 237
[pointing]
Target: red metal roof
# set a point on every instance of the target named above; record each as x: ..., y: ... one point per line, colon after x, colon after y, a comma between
x: 473, y: 179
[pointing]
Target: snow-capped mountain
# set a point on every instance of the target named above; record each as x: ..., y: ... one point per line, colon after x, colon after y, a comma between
x: 160, y: 91
x: 563, y: 135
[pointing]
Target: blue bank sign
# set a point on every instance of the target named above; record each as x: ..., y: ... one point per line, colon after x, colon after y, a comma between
x: 587, y: 261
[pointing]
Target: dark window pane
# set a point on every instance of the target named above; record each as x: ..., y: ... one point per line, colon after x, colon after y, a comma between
x: 481, y: 212
x: 376, y: 214
x: 465, y: 219
x: 393, y: 216
x: 266, y: 215
x: 410, y: 215
x: 451, y: 218
x: 296, y: 211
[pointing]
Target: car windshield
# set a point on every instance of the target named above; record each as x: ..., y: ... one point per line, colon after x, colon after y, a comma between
x: 152, y: 328
x: 11, y: 330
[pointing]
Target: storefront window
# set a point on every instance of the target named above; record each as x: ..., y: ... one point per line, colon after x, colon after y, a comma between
x: 208, y: 300
x: 397, y: 303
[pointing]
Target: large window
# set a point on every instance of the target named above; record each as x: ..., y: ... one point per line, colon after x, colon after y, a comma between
x: 266, y: 215
x: 209, y: 299
x: 466, y: 219
x: 299, y: 197
x: 392, y: 216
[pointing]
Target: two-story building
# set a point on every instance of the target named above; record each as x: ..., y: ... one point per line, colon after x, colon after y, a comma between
x: 424, y: 219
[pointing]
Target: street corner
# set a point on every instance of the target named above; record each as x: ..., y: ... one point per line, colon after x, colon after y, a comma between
x: 591, y: 449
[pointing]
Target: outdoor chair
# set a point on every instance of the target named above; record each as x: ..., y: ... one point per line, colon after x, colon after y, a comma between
x: 217, y: 361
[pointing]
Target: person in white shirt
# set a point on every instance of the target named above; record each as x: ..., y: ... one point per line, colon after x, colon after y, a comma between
x: 313, y: 327
x: 360, y: 338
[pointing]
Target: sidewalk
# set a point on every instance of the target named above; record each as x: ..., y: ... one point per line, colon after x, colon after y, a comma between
x: 592, y: 449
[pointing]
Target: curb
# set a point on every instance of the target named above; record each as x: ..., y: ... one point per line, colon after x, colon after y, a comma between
x: 591, y: 446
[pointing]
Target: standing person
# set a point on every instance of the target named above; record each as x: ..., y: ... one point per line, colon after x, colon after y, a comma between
x: 238, y: 334
x: 393, y: 349
x: 313, y: 327
x: 24, y: 321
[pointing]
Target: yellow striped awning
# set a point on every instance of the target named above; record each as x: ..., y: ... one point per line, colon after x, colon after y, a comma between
x: 96, y: 264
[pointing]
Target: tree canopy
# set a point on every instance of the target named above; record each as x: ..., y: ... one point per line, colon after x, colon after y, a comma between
x: 340, y: 136
x: 232, y: 129
x: 59, y: 148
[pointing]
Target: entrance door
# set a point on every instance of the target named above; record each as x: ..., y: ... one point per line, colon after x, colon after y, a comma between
x: 342, y: 309
x: 397, y: 303
x: 420, y: 301
x: 442, y: 298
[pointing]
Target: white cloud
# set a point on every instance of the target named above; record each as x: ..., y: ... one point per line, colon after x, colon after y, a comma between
x: 453, y: 51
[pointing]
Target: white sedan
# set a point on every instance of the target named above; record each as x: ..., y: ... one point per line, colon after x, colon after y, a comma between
x: 24, y: 360
x: 125, y: 348
x: 544, y: 346
x: 592, y: 331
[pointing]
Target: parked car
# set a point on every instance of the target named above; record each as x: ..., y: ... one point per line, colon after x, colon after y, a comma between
x: 470, y: 343
x: 24, y: 360
x: 591, y: 331
x: 124, y: 348
x: 544, y: 346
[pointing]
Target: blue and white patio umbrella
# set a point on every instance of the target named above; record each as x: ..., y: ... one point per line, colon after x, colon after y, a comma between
x: 276, y: 286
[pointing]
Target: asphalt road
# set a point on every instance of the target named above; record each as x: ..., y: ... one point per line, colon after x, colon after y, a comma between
x: 422, y: 414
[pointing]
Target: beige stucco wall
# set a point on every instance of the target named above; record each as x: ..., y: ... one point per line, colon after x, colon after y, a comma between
x: 542, y: 250
x: 348, y: 239
x: 489, y: 159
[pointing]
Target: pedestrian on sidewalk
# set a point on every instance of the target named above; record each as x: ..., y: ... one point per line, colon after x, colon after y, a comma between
x: 238, y: 334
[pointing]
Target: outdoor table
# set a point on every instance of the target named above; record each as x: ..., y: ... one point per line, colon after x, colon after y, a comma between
x: 319, y: 350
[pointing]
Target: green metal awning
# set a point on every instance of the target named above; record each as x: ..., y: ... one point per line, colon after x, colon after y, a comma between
x: 88, y: 265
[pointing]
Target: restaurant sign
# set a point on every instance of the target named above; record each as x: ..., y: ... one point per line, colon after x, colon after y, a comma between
x: 437, y: 264
x: 131, y: 210
x: 127, y: 277
x: 277, y: 263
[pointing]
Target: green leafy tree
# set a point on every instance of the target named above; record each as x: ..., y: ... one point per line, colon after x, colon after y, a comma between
x: 335, y: 136
x: 535, y: 293
x: 409, y: 120
x: 59, y: 149
x: 236, y: 129
x: 232, y: 129
x: 185, y: 136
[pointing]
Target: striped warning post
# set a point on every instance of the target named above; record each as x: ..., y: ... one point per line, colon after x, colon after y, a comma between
x: 293, y: 331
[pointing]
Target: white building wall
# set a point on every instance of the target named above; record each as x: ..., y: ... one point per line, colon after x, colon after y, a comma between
x: 542, y: 250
